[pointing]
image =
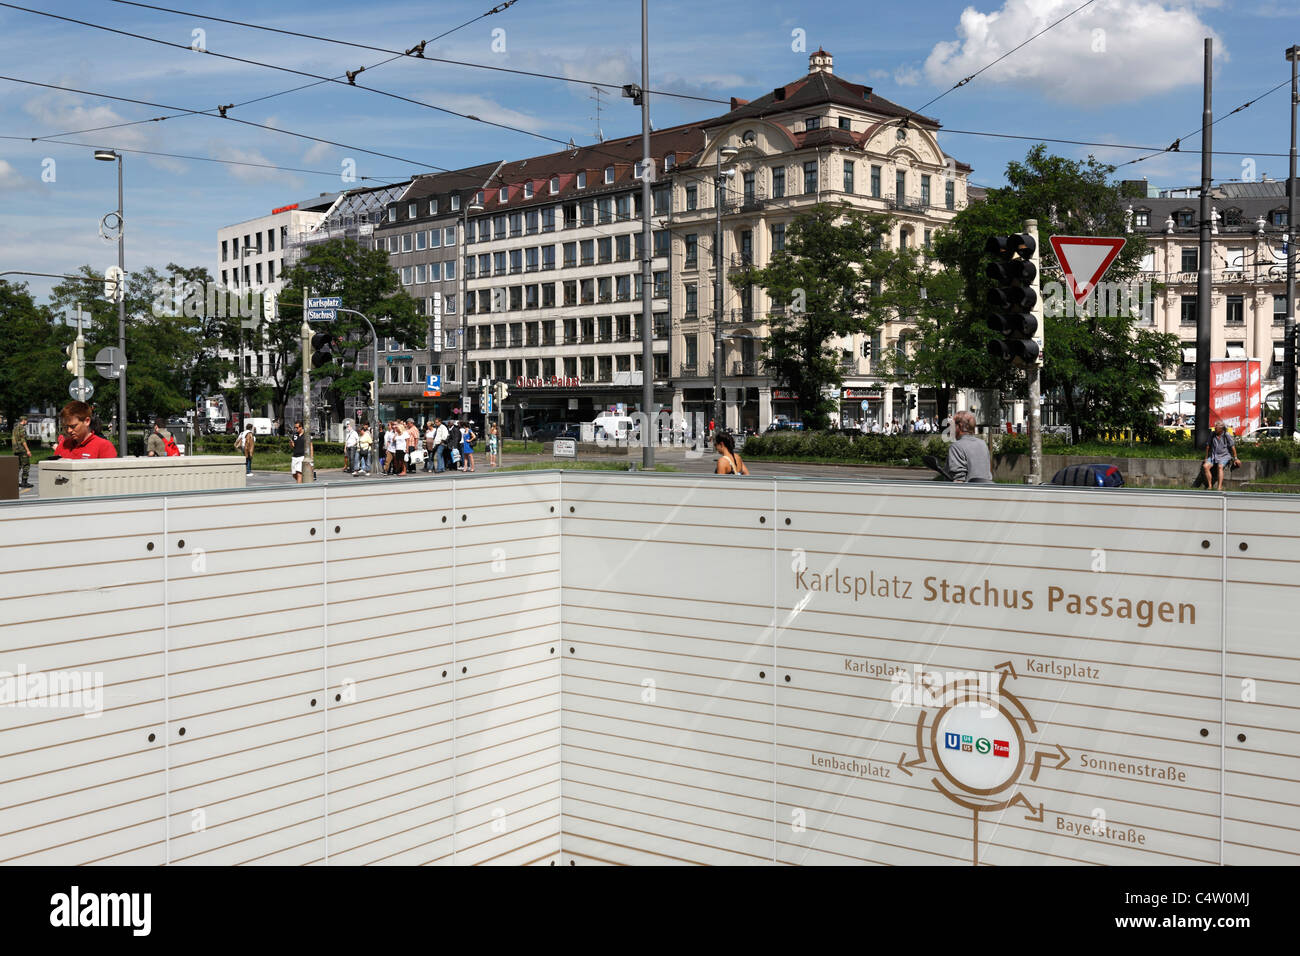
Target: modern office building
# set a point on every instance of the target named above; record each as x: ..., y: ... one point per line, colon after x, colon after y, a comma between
x: 252, y: 256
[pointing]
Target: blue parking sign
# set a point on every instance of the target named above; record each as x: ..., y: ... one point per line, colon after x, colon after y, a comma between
x: 433, y: 383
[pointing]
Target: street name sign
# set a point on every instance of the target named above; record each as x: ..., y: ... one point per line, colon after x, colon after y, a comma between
x: 325, y: 302
x: 321, y: 315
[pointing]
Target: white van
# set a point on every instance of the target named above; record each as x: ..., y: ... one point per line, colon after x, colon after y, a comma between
x: 612, y: 427
x: 261, y: 426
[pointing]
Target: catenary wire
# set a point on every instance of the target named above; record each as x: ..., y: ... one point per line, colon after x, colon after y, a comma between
x: 415, y: 55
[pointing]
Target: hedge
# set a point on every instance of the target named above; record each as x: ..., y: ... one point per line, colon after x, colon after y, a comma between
x: 880, y: 449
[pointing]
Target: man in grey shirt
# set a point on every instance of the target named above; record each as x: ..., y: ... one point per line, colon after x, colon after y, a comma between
x: 1220, y: 452
x: 968, y: 457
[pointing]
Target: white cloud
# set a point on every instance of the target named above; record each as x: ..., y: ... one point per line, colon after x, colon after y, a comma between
x: 10, y: 178
x: 317, y: 153
x: 1115, y: 51
x: 490, y: 110
x: 252, y: 174
x: 907, y: 76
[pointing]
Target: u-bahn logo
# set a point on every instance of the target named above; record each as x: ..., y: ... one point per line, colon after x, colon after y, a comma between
x: 982, y: 745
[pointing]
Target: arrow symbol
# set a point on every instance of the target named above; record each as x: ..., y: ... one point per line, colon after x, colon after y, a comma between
x: 910, y: 763
x: 1061, y: 758
x: 1007, y: 671
x: 1035, y: 816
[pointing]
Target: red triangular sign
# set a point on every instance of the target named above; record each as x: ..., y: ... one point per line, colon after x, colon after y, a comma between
x: 1084, y: 260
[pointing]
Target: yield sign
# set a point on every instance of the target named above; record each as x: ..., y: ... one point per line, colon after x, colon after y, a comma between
x: 1084, y: 260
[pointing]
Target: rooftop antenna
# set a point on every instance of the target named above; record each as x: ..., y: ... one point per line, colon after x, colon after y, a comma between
x: 596, y: 95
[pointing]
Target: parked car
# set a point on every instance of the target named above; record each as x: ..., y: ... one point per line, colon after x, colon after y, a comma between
x: 553, y: 430
x: 1268, y: 431
x: 781, y: 423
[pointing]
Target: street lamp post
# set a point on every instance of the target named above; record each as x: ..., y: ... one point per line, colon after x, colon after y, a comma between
x: 1289, y: 347
x: 719, y: 185
x: 108, y: 156
x: 374, y: 361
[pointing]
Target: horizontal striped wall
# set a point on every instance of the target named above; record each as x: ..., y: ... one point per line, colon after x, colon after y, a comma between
x: 357, y: 674
x: 751, y: 657
x: 585, y: 668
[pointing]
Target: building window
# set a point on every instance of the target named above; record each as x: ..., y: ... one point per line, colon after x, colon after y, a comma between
x: 925, y: 191
x: 692, y: 250
x: 692, y: 299
x: 588, y: 247
x: 813, y: 122
x: 503, y: 194
x: 516, y: 224
x: 900, y: 185
x: 421, y: 274
x: 406, y: 275
x: 623, y: 247
x: 412, y: 210
x: 660, y: 200
x: 449, y: 236
x: 692, y: 197
x: 448, y: 269
x: 1279, y: 217
x: 455, y: 202
x: 605, y: 249
x: 1236, y: 310
x: 435, y: 238
x: 548, y: 295
x: 433, y: 207
x: 588, y: 212
x: 928, y: 234
x: 548, y: 257
x: 845, y: 123
x: 1186, y: 217
x: 609, y: 175
x: 1191, y: 259
x: 224, y: 255
x: 1279, y: 310
x: 421, y: 238
x: 582, y: 180
x: 530, y: 222
x: 1188, y: 309
x: 498, y: 227
x: 747, y: 188
x: 661, y: 239
x: 449, y: 304
x: 778, y: 236
x: 528, y: 190
x: 1142, y: 218
x: 605, y: 209
x: 406, y: 242
x: 848, y: 175
x: 778, y: 182
x: 810, y: 176
x: 516, y: 261
x: 548, y: 219
x: 555, y: 185
x: 499, y: 263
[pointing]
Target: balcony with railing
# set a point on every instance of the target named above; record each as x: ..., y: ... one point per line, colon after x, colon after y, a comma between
x: 749, y: 368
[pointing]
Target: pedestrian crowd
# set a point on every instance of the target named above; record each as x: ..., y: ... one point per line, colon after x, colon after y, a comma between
x: 919, y: 426
x: 402, y: 447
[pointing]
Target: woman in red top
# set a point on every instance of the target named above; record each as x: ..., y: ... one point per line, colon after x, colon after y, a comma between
x: 78, y: 440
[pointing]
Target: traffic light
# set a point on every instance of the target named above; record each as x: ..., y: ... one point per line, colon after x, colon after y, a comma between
x: 73, y: 364
x: 1011, y: 304
x: 320, y: 345
x: 501, y: 390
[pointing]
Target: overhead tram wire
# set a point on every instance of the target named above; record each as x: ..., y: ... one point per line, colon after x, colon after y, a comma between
x: 960, y: 83
x: 1175, y: 146
x: 318, y: 82
x: 205, y: 159
x: 413, y: 54
x: 231, y: 119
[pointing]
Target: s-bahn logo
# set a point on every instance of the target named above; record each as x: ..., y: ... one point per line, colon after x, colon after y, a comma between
x: 981, y: 745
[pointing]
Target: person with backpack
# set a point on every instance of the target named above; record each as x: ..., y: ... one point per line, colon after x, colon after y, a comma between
x: 244, y: 443
x: 161, y: 444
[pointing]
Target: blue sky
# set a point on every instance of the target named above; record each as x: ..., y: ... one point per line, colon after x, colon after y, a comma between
x: 1120, y: 71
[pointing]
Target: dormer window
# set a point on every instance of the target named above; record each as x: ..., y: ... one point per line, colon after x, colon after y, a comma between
x: 478, y: 198
x: 609, y: 175
x: 1186, y: 217
x: 1142, y: 217
x: 582, y: 180
x: 528, y: 190
x: 669, y: 162
x: 412, y: 210
x: 1232, y: 217
x: 433, y: 207
x: 455, y: 202
x: 813, y: 122
x: 1278, y: 217
x: 503, y: 194
x: 555, y: 185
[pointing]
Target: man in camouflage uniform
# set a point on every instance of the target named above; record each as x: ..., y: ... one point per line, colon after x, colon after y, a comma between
x: 23, y: 451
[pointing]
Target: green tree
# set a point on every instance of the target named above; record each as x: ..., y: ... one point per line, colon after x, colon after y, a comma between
x: 821, y: 291
x: 31, y: 364
x: 168, y: 354
x: 367, y: 283
x: 1106, y: 369
x: 937, y: 349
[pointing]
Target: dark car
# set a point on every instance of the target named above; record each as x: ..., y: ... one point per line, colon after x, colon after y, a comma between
x: 553, y: 430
